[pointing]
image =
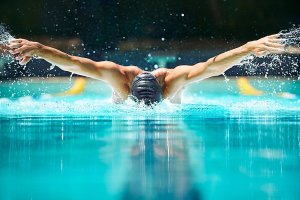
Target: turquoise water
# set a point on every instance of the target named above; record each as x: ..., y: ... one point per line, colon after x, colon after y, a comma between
x: 216, y: 145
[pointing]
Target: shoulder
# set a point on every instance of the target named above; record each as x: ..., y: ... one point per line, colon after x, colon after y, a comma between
x: 161, y: 72
x: 131, y: 71
x: 107, y: 65
x: 179, y: 73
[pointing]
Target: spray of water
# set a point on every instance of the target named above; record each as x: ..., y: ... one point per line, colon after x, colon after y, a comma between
x: 283, y: 65
x: 291, y: 37
x: 5, y: 57
x: 5, y: 36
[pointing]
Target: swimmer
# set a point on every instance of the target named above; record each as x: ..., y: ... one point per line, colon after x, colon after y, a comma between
x: 143, y: 86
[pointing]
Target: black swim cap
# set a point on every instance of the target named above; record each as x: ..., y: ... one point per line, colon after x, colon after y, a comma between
x: 146, y: 88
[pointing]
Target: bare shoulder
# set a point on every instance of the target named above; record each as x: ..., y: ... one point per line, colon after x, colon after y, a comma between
x: 178, y: 73
x: 181, y: 69
x: 131, y: 72
x: 161, y: 74
x: 160, y: 71
x: 108, y: 65
x: 132, y: 69
x: 112, y: 66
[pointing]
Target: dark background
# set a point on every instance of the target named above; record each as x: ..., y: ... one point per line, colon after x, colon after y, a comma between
x: 100, y: 22
x: 126, y: 31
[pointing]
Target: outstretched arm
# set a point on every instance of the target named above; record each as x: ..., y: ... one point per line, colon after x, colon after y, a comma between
x: 24, y: 50
x: 220, y: 63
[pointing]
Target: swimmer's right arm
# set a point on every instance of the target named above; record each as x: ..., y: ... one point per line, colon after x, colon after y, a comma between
x: 25, y: 50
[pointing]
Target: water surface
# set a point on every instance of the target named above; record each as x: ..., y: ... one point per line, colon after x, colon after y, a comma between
x: 216, y: 145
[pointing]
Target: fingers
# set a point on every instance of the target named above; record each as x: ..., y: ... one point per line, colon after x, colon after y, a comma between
x: 4, y: 47
x: 25, y: 60
x: 19, y: 50
x: 19, y: 57
x: 274, y: 44
x: 17, y: 40
x: 14, y: 45
x: 271, y: 44
x: 277, y: 40
x: 275, y: 49
x: 274, y: 36
x: 261, y: 53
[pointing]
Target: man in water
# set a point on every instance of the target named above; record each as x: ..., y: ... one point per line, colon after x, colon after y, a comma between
x: 142, y: 86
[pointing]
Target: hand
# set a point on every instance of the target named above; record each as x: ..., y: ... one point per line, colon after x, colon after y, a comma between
x: 266, y: 45
x: 3, y: 48
x: 24, y: 49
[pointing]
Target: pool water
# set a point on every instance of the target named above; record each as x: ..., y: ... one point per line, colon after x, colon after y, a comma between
x: 217, y: 144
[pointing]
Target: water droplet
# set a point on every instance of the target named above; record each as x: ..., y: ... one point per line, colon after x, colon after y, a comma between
x: 52, y: 67
x: 70, y: 79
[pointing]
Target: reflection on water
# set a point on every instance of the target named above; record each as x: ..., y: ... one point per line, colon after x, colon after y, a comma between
x: 188, y: 157
x: 255, y: 155
x: 159, y: 164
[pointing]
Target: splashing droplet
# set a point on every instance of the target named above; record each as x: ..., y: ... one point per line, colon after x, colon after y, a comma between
x: 70, y: 79
x: 52, y: 67
x: 5, y: 36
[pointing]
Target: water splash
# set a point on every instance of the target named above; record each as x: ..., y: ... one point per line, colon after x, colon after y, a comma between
x: 283, y: 65
x: 52, y: 67
x: 291, y: 37
x: 70, y: 78
x: 5, y: 57
x: 5, y: 36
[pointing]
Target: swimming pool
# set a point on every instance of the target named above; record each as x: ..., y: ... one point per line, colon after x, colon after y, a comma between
x: 216, y: 145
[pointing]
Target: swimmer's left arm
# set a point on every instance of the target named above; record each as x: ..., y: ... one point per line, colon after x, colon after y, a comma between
x: 219, y: 64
